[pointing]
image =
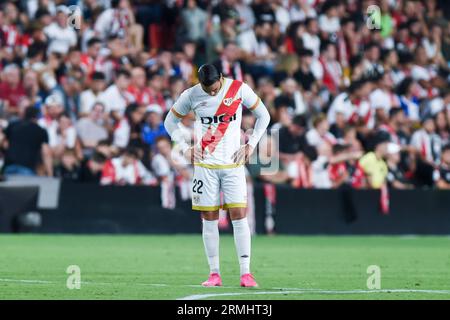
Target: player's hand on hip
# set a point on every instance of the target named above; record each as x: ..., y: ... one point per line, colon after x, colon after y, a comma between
x: 194, y: 154
x: 243, y: 154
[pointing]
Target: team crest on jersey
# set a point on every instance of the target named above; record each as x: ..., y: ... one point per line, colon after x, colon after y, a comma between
x: 196, y: 199
x: 228, y: 101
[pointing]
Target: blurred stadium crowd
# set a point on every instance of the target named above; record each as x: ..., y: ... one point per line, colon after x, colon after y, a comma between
x: 358, y: 97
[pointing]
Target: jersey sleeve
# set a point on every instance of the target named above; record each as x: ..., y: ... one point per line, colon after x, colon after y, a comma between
x: 182, y: 106
x: 249, y: 97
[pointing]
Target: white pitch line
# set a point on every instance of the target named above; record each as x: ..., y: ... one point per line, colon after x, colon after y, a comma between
x: 303, y: 291
x: 252, y: 292
x: 25, y: 281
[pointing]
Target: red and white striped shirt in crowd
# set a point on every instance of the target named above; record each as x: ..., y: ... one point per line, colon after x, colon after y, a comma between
x: 332, y: 74
x: 428, y: 144
x: 232, y: 70
x: 91, y: 65
x: 142, y: 96
x: 353, y: 111
x: 134, y: 173
x: 392, y: 133
x: 314, y: 138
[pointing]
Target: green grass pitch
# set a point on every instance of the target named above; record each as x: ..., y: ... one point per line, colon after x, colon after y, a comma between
x: 172, y: 267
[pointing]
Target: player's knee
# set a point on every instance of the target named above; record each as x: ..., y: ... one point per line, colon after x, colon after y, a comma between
x: 210, y: 215
x: 237, y: 213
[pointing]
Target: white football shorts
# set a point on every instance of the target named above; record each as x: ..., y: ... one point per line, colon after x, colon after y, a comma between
x: 208, y: 183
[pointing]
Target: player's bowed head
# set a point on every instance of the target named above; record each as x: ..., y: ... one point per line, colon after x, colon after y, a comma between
x: 210, y: 78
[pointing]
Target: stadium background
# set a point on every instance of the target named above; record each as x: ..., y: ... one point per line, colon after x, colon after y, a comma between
x: 339, y: 78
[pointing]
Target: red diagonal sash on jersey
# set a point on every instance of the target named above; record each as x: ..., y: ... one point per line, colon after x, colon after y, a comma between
x: 210, y: 139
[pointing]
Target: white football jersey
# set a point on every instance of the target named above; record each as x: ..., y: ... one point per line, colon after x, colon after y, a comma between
x: 218, y: 119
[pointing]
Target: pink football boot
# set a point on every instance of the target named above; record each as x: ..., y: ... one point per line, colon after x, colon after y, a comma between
x: 248, y: 281
x: 214, y: 280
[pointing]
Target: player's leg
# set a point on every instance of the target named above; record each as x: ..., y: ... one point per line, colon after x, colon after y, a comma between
x: 205, y: 198
x: 235, y: 200
x: 210, y: 234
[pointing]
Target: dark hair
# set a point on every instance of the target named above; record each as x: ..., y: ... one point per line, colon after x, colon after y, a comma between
x: 93, y: 41
x: 132, y: 107
x: 104, y: 142
x: 325, y: 44
x: 445, y: 148
x: 31, y: 113
x: 310, y: 152
x: 35, y: 49
x: 300, y: 121
x: 123, y: 72
x: 305, y: 52
x: 318, y: 119
x: 355, y: 60
x: 339, y: 147
x: 162, y: 138
x: 404, y: 86
x: 378, y: 138
x: 40, y: 12
x: 394, y: 111
x: 97, y: 75
x: 98, y: 157
x: 115, y: 4
x: 208, y: 74
x: 356, y: 85
x: 132, y: 152
x: 309, y: 20
x: 370, y: 45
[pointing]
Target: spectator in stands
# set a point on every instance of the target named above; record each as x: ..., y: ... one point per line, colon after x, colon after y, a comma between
x: 126, y: 169
x: 352, y: 107
x: 93, y: 128
x: 68, y: 168
x: 292, y: 139
x: 154, y: 125
x: 229, y: 63
x: 138, y: 86
x: 396, y: 177
x: 91, y: 168
x: 11, y: 89
x: 395, y: 126
x: 407, y: 90
x: 426, y: 145
x: 302, y: 57
x: 193, y: 21
x: 60, y: 34
x: 116, y: 97
x: 426, y: 142
x: 91, y: 61
x: 382, y: 99
x: 291, y: 97
x: 53, y: 108
x: 442, y: 174
x: 372, y: 170
x: 27, y: 147
x: 319, y: 135
x: 331, y: 69
x: 66, y: 138
x: 89, y: 97
x: 167, y: 165
x: 128, y: 130
x: 442, y: 127
x: 265, y: 166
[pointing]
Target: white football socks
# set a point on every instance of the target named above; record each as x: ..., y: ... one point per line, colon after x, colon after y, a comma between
x: 210, y: 235
x: 242, y: 240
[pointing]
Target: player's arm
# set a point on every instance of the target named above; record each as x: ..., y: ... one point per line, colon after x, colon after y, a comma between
x: 180, y: 109
x: 261, y: 124
x: 254, y: 104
